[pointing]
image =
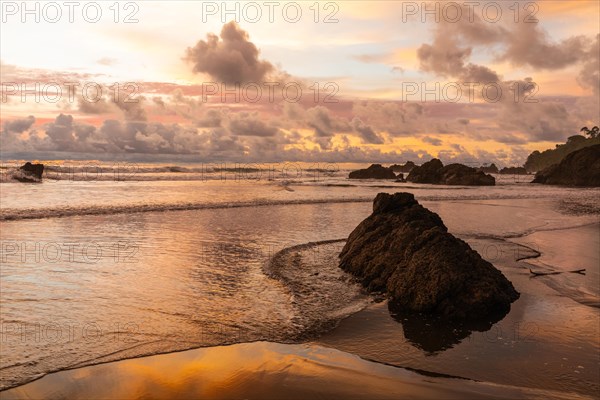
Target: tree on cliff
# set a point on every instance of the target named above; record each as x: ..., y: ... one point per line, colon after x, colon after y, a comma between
x: 592, y: 133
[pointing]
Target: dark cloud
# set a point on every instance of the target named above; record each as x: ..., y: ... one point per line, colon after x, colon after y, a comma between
x: 10, y: 135
x: 366, y: 133
x: 101, y: 106
x: 452, y: 47
x: 132, y: 106
x: 318, y: 118
x: 432, y: 140
x: 19, y: 125
x: 61, y: 131
x: 133, y: 109
x: 396, y: 118
x: 210, y: 119
x: 250, y: 124
x: 233, y: 59
x: 528, y: 44
x: 444, y: 57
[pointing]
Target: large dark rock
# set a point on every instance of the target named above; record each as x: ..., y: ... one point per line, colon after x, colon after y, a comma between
x: 458, y: 174
x: 426, y: 173
x: 453, y: 174
x: 405, y: 250
x: 579, y: 168
x: 30, y: 172
x: 513, y: 171
x: 375, y: 171
x: 407, y: 167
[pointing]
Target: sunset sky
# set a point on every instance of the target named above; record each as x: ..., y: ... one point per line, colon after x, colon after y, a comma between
x: 374, y: 53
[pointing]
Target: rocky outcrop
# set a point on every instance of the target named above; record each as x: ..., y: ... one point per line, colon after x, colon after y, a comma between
x: 580, y: 168
x: 406, y: 251
x: 489, y: 169
x: 453, y: 174
x: 539, y: 161
x: 29, y: 172
x: 375, y: 171
x: 458, y: 174
x: 426, y: 173
x: 407, y: 167
x: 513, y: 171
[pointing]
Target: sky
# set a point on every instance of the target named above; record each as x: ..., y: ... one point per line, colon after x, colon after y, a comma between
x: 346, y: 81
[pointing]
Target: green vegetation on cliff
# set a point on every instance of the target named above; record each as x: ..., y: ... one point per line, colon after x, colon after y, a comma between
x: 538, y: 161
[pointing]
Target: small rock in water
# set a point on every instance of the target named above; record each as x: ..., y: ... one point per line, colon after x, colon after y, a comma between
x: 30, y: 172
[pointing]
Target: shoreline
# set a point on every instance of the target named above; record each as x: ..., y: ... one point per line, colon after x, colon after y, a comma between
x: 261, y: 370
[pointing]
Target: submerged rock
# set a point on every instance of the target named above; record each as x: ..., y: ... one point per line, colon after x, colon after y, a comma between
x: 375, y: 171
x: 579, y: 168
x: 453, y: 174
x: 406, y: 251
x: 30, y: 172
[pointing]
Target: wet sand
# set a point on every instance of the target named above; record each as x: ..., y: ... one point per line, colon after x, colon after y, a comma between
x: 260, y: 370
x: 548, y: 340
x: 546, y: 347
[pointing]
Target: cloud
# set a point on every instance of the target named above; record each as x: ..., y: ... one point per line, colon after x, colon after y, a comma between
x: 212, y: 118
x: 365, y: 132
x: 107, y: 61
x: 445, y: 58
x: 250, y: 124
x: 453, y: 44
x: 396, y: 118
x: 371, y: 58
x: 10, y: 135
x: 589, y: 76
x: 19, y: 125
x: 101, y: 106
x: 539, y: 119
x: 133, y: 109
x: 325, y: 125
x: 318, y: 118
x: 61, y: 131
x: 528, y: 44
x: 233, y: 59
x: 521, y: 44
x: 432, y: 140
